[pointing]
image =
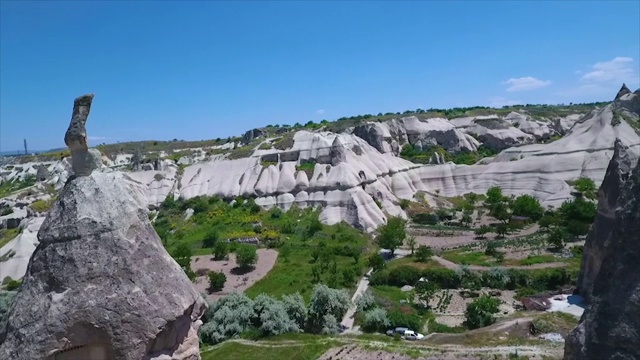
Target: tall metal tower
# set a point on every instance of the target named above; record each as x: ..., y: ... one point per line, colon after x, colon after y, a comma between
x: 25, y: 147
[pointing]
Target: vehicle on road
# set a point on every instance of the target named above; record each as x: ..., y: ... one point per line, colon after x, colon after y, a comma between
x: 412, y: 335
x: 399, y: 330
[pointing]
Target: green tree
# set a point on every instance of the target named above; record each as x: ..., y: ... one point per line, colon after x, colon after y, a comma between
x: 482, y: 231
x: 392, y: 234
x: 527, y: 205
x: 182, y: 255
x: 587, y: 187
x: 480, y: 312
x: 494, y: 196
x: 425, y: 290
x: 500, y: 211
x: 216, y: 281
x: 424, y: 253
x: 411, y: 242
x: 577, y: 215
x: 466, y: 218
x: 556, y: 237
x: 501, y: 230
x: 547, y: 221
x: 246, y: 256
x: 220, y: 250
x: 376, y: 262
x: 210, y: 238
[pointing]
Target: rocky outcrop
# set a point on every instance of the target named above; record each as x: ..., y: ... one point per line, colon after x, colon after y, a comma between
x: 84, y: 161
x: 42, y: 173
x: 624, y: 90
x: 610, y: 327
x: 253, y: 134
x: 100, y: 285
x: 599, y: 240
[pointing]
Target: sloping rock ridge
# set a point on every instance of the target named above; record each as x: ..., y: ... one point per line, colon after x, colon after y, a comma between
x: 100, y: 282
x: 610, y: 327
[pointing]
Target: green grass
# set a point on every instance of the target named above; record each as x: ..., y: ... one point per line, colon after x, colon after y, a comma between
x: 411, y: 261
x: 465, y: 257
x: 297, y: 235
x: 8, y: 235
x: 537, y: 259
x: 9, y: 187
x: 390, y: 293
x: 307, y: 167
x: 234, y: 350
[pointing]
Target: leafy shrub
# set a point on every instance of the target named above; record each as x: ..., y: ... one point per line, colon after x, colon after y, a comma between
x: 326, y: 301
x: 404, y: 275
x: 445, y: 278
x: 210, y: 238
x: 246, y: 255
x: 392, y: 234
x: 480, y: 312
x: 376, y: 320
x: 425, y: 218
x: 296, y: 309
x: 216, y: 281
x: 330, y: 325
x: 376, y: 261
x: 227, y: 317
x: 527, y: 205
x: 423, y: 253
x: 365, y: 301
x: 220, y: 250
x: 399, y: 319
x: 379, y: 278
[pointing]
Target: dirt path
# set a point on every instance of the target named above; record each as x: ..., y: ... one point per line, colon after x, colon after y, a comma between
x: 453, y: 266
x: 347, y: 320
x: 355, y: 348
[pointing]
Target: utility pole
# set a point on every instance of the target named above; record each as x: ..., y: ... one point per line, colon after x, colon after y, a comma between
x: 25, y: 147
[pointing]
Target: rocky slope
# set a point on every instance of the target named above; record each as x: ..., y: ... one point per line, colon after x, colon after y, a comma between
x: 100, y: 285
x: 610, y: 276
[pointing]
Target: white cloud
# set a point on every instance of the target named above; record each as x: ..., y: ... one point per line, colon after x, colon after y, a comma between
x: 96, y: 138
x: 500, y: 101
x: 617, y: 70
x: 320, y: 112
x: 525, y: 83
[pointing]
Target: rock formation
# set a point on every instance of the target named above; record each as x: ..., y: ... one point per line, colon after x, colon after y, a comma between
x: 42, y: 173
x: 100, y: 285
x: 84, y: 161
x: 600, y: 239
x: 610, y: 327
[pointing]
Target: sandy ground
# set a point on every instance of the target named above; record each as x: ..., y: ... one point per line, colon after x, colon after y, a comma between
x: 236, y: 282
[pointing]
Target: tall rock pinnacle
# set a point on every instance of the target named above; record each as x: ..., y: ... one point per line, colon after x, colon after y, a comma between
x: 84, y: 160
x: 610, y: 276
x: 100, y: 285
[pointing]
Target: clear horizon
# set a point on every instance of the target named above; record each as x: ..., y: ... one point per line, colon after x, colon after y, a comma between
x: 203, y: 70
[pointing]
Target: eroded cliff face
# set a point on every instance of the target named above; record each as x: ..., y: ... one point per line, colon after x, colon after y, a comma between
x: 601, y: 237
x: 610, y: 277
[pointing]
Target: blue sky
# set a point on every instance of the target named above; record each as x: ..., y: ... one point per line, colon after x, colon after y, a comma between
x: 201, y: 70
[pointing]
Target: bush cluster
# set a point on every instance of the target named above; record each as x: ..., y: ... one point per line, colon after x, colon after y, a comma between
x: 498, y: 278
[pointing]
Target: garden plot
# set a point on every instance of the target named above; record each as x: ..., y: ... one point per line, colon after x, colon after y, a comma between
x: 449, y: 305
x: 237, y: 281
